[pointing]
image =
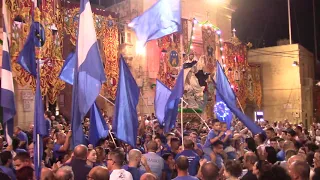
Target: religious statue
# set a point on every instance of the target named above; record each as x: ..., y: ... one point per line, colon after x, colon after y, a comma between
x: 195, y: 81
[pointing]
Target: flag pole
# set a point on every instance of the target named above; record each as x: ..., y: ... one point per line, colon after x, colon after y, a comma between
x: 38, y: 135
x: 198, y: 115
x: 153, y: 130
x: 107, y: 100
x: 114, y: 142
x: 181, y: 119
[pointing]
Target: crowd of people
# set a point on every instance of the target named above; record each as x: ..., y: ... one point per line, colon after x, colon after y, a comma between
x: 283, y: 151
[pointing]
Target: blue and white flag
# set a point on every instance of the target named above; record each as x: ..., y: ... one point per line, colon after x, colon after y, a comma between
x: 67, y: 71
x: 7, y: 89
x: 162, y: 19
x: 89, y: 74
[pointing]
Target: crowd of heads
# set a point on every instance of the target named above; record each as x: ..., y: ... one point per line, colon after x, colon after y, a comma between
x: 283, y: 151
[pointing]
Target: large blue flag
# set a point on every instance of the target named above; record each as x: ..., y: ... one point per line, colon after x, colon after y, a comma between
x: 161, y: 19
x: 171, y: 108
x: 223, y: 113
x: 125, y: 122
x: 162, y: 95
x: 67, y: 71
x: 7, y: 89
x: 40, y: 130
x: 98, y: 126
x: 89, y: 74
x: 227, y: 96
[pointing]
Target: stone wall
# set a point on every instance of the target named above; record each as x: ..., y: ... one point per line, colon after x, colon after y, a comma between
x: 285, y: 92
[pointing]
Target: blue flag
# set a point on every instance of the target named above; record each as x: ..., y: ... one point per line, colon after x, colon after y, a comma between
x: 27, y: 56
x: 98, y: 126
x: 161, y: 19
x: 40, y: 127
x: 89, y: 74
x: 171, y: 108
x: 125, y: 122
x: 67, y: 71
x: 7, y: 89
x: 162, y: 95
x: 227, y: 96
x: 223, y: 113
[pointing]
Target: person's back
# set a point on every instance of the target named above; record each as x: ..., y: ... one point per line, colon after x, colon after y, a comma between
x: 78, y: 163
x: 182, y: 165
x: 192, y: 157
x: 155, y: 162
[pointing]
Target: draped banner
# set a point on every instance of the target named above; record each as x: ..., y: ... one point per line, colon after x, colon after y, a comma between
x: 209, y: 46
x: 60, y: 19
x: 50, y: 53
x: 235, y: 68
x: 170, y: 59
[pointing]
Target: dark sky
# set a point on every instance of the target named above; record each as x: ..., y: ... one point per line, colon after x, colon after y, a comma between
x: 263, y: 22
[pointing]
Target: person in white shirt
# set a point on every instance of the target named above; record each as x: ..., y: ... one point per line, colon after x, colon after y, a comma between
x: 114, y: 163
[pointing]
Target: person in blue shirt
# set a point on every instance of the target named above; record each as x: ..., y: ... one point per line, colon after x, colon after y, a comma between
x: 197, y: 146
x: 182, y: 165
x: 213, y: 136
x: 6, y: 160
x: 62, y: 145
x: 192, y: 157
x: 22, y: 137
x: 168, y: 168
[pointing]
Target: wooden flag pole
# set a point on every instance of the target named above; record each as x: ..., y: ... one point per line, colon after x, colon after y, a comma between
x: 114, y: 142
x: 181, y: 121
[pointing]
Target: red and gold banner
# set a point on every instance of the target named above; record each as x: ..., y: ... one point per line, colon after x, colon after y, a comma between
x: 50, y: 53
x: 60, y: 20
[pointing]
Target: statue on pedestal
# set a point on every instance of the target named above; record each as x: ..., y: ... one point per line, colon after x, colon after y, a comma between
x: 195, y: 81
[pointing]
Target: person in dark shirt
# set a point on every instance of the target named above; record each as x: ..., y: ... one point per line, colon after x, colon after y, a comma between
x: 175, y: 144
x: 249, y: 160
x: 78, y: 163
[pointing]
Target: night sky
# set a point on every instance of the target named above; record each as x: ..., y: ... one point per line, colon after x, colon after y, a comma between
x: 263, y: 22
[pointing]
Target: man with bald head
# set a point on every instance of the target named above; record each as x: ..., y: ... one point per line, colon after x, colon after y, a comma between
x: 62, y: 145
x: 99, y: 173
x: 135, y: 160
x: 79, y: 162
x: 182, y: 164
x: 250, y: 158
x: 154, y: 161
x: 148, y: 176
x: 299, y: 170
x: 64, y: 173
x: 46, y: 174
x: 209, y: 171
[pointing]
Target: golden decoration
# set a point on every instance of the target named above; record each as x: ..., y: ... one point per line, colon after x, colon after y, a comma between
x: 110, y: 49
x: 50, y: 53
